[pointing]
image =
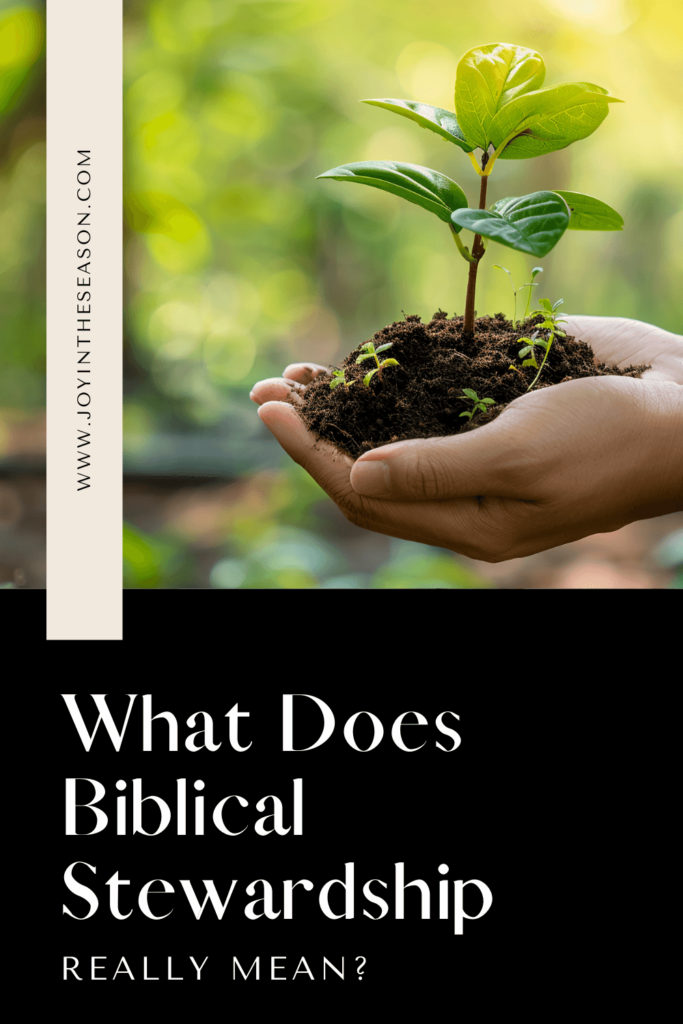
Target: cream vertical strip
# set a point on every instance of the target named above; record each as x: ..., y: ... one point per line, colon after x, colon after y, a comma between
x: 84, y: 319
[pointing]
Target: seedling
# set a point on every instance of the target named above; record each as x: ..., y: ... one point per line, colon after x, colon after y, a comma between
x: 479, y: 404
x: 370, y: 352
x: 340, y: 378
x: 531, y: 361
x: 534, y: 272
x: 503, y: 111
x: 549, y: 324
x: 530, y: 284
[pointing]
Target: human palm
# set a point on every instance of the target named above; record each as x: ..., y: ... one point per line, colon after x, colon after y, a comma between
x: 561, y: 463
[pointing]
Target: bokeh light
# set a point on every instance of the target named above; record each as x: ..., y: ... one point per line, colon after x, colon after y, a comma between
x: 238, y: 261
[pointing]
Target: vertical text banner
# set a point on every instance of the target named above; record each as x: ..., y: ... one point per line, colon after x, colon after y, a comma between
x: 84, y: 319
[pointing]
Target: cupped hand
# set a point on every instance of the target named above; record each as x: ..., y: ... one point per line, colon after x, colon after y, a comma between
x: 587, y: 456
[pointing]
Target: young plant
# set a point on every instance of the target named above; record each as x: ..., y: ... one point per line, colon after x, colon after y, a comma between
x: 550, y: 324
x: 534, y: 272
x: 478, y: 404
x: 530, y: 284
x: 370, y: 352
x: 340, y: 378
x: 529, y: 348
x: 503, y: 111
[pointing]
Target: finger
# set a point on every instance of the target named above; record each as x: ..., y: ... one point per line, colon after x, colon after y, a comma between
x: 465, y: 525
x: 526, y: 453
x: 319, y: 458
x: 619, y: 341
x: 486, y: 461
x: 331, y: 470
x: 328, y: 467
x: 304, y: 373
x: 608, y: 336
x: 276, y: 389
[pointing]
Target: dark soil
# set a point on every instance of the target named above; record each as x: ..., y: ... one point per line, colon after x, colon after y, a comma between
x: 422, y: 396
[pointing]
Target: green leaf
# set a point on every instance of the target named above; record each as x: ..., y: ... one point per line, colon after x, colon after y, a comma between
x: 436, y: 119
x: 537, y: 270
x: 560, y: 302
x: 546, y: 304
x: 530, y: 362
x: 368, y: 378
x: 339, y: 380
x: 369, y: 346
x: 532, y: 224
x: 429, y: 189
x: 470, y: 393
x: 468, y: 414
x: 524, y: 351
x: 589, y: 214
x: 389, y: 362
x: 383, y: 348
x: 488, y: 78
x: 488, y: 401
x: 368, y: 355
x: 549, y: 119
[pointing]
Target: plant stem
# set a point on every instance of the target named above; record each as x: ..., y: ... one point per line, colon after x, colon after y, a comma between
x: 464, y: 252
x: 487, y: 170
x: 547, y: 350
x: 475, y: 164
x: 477, y: 253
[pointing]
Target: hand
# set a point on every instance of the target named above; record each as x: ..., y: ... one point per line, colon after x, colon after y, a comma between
x: 587, y: 456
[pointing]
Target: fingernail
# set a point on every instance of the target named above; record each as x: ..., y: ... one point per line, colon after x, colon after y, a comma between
x: 371, y: 478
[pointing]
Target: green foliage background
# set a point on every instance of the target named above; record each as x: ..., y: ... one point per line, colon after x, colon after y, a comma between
x: 238, y: 261
x: 22, y: 208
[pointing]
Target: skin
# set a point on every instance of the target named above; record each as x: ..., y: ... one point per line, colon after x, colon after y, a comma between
x: 584, y: 457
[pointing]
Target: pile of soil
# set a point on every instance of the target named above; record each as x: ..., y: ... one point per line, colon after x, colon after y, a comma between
x: 423, y: 395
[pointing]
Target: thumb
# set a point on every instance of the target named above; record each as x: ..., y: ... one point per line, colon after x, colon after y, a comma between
x: 486, y: 461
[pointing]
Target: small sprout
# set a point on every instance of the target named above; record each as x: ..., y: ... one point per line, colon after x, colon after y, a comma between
x: 534, y: 272
x: 529, y: 348
x: 368, y: 351
x: 478, y: 404
x: 340, y: 378
x: 545, y: 304
x: 385, y: 362
x: 550, y: 324
x: 530, y: 284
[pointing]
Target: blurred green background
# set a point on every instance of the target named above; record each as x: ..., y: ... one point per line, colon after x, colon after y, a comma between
x: 22, y: 207
x: 237, y: 261
x: 22, y: 294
